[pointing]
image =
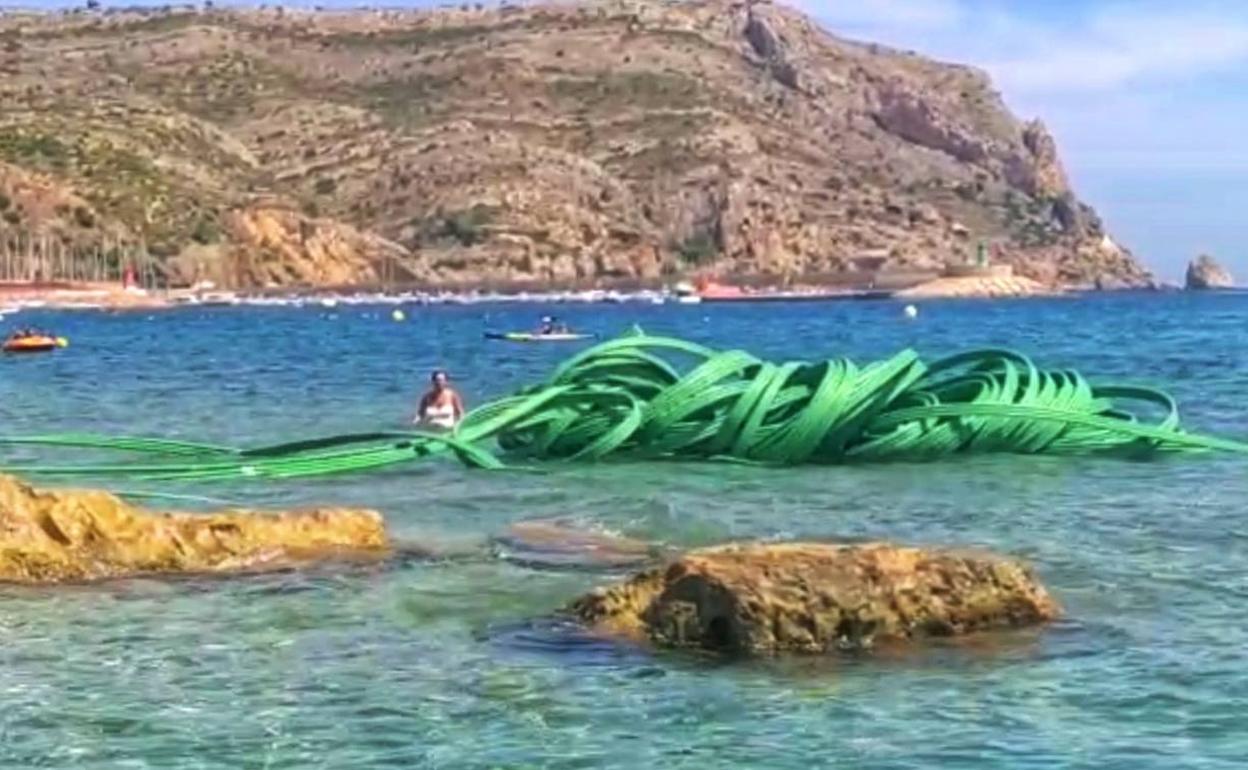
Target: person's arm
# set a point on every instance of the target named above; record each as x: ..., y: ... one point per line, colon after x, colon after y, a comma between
x: 458, y: 403
x: 422, y: 408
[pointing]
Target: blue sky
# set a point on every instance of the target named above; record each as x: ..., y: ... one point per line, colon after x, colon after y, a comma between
x: 1148, y: 100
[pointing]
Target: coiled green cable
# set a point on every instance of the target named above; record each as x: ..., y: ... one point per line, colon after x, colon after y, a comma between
x: 632, y: 398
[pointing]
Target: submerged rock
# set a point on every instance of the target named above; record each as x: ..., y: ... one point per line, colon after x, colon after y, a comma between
x: 50, y: 536
x: 813, y: 597
x: 562, y: 544
x: 1205, y: 272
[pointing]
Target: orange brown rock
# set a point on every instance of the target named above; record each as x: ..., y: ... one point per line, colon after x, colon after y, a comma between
x: 53, y: 536
x: 765, y: 599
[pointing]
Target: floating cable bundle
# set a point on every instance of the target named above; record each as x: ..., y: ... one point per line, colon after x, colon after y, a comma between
x: 627, y: 398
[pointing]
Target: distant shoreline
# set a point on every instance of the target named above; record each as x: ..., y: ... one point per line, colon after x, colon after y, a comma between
x: 15, y: 298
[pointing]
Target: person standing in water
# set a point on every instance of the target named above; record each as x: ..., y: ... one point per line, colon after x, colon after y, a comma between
x: 441, y: 406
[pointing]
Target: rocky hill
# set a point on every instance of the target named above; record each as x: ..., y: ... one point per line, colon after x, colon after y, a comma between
x: 549, y: 143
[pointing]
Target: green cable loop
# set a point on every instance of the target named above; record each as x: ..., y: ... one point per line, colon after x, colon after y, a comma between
x: 657, y: 397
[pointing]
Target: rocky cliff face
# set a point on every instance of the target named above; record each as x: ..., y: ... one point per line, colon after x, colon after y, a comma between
x: 549, y: 143
x: 56, y: 536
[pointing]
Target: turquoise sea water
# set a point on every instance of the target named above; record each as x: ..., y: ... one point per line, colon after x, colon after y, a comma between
x: 450, y: 663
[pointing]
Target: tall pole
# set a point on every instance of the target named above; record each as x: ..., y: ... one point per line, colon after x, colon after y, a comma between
x: 150, y: 263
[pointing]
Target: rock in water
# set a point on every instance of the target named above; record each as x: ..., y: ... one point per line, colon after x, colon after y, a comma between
x: 813, y: 597
x: 1204, y: 272
x: 68, y: 535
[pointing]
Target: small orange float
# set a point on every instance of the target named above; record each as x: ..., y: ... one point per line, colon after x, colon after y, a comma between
x: 33, y: 343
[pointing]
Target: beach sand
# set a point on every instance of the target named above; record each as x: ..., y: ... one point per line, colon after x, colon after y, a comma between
x: 991, y: 286
x: 80, y: 295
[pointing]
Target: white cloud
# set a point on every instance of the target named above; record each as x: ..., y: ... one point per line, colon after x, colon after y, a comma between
x: 1095, y: 47
x: 1115, y: 49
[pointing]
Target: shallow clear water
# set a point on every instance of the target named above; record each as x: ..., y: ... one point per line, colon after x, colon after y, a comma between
x: 448, y: 663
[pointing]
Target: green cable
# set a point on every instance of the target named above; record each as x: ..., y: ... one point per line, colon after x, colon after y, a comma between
x: 645, y: 397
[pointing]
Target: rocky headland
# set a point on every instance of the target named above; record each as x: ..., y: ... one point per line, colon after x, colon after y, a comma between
x: 560, y: 144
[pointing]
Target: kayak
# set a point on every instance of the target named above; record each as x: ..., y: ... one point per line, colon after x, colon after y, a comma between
x: 532, y: 337
x: 36, y: 344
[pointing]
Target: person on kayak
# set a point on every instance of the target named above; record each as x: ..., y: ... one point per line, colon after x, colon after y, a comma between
x: 552, y: 325
x: 441, y: 406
